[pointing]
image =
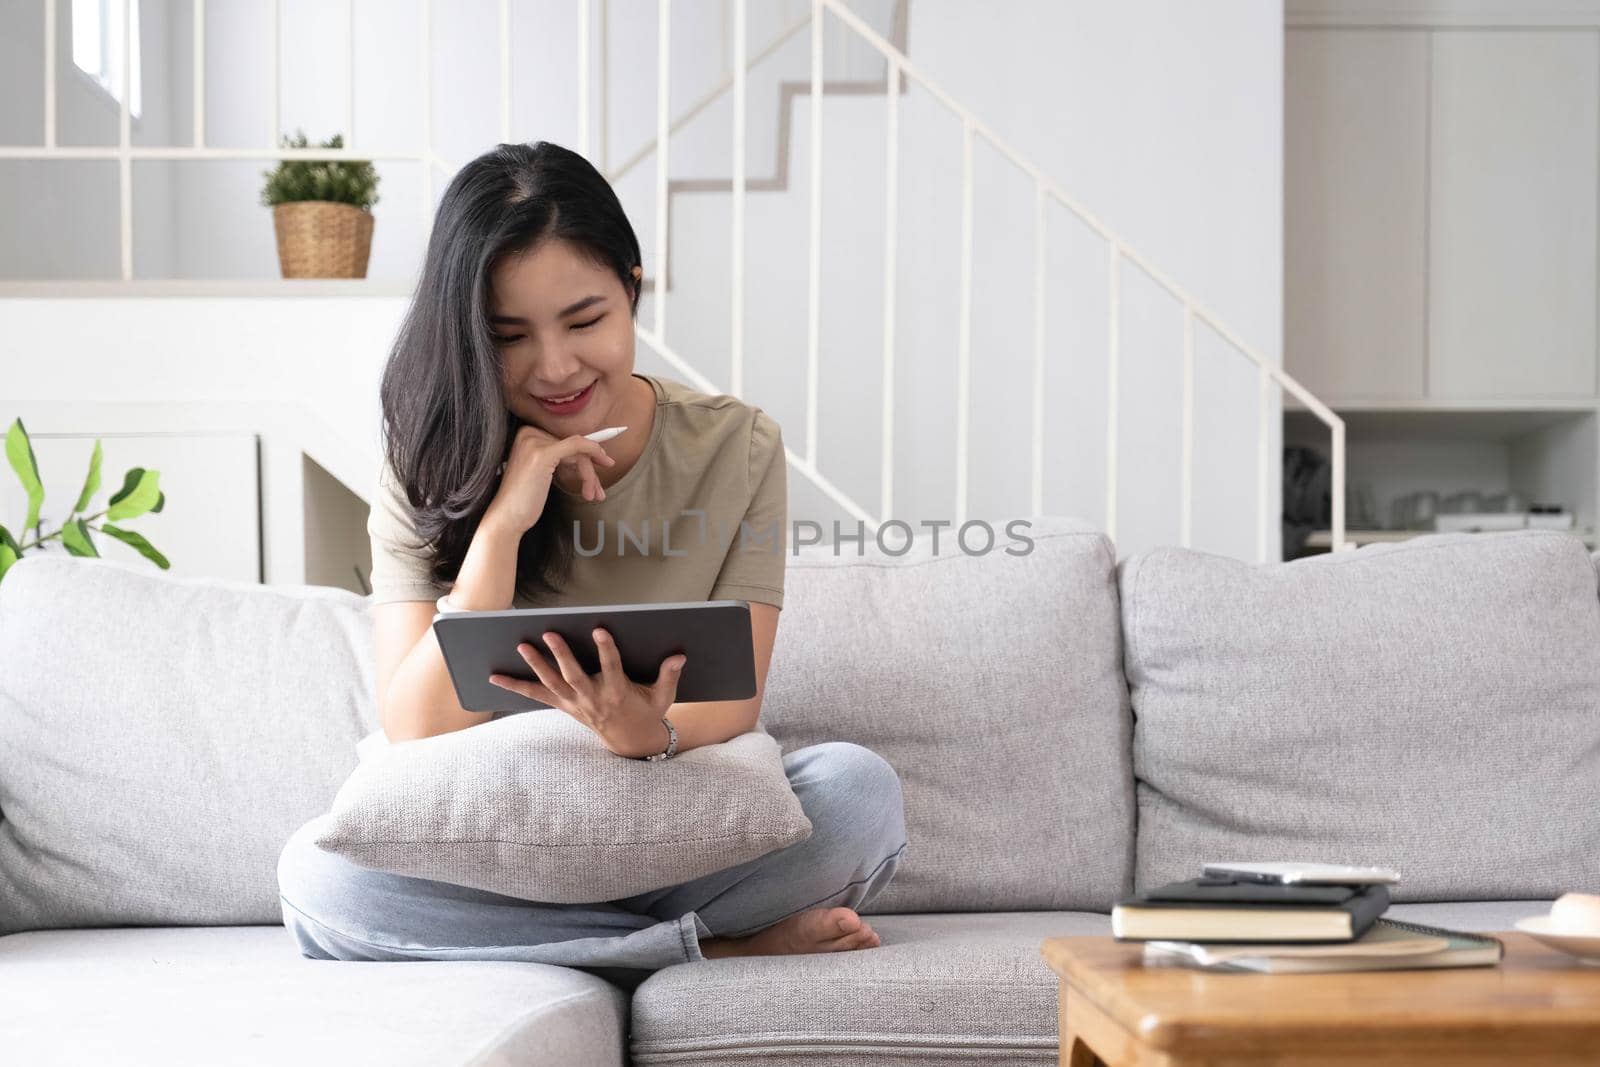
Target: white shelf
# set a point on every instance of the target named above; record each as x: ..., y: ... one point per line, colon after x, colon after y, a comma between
x: 1501, y: 423
x: 1549, y: 456
x: 1439, y: 404
x: 225, y: 287
x: 1324, y: 538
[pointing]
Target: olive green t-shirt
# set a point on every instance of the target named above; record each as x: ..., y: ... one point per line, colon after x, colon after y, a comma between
x: 701, y: 515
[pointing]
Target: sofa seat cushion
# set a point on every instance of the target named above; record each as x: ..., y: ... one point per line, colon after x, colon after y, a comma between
x: 244, y: 995
x: 952, y: 987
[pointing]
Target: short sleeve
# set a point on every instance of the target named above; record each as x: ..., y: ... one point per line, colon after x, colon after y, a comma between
x: 400, y: 557
x: 758, y: 552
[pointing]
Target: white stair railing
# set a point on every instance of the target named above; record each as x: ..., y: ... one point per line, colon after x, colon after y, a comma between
x: 1045, y: 190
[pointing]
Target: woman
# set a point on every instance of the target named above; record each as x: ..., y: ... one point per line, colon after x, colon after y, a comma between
x: 518, y: 342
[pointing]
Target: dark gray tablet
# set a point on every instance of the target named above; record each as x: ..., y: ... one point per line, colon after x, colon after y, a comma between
x: 713, y: 634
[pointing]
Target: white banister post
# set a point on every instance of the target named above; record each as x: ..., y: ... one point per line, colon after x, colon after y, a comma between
x: 50, y: 72
x: 200, y: 73
x: 275, y: 42
x: 427, y: 118
x: 663, y: 89
x: 1337, y: 488
x: 1036, y: 496
x: 814, y: 251
x: 1263, y: 453
x: 964, y: 334
x: 583, y: 78
x: 350, y: 76
x: 740, y: 128
x: 891, y: 227
x: 1113, y: 354
x: 1186, y: 503
x: 604, y: 54
x: 125, y: 135
x: 505, y: 71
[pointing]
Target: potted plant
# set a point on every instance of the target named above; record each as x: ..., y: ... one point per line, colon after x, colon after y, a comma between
x: 140, y: 493
x: 321, y: 212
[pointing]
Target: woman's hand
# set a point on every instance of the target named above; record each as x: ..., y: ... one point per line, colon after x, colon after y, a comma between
x: 535, y: 455
x: 625, y: 714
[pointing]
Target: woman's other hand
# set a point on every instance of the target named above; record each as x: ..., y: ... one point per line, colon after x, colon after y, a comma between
x: 531, y: 466
x: 626, y: 715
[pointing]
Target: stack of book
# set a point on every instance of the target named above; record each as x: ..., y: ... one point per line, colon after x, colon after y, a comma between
x: 1237, y: 923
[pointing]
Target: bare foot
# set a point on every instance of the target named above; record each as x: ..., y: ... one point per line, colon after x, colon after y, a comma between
x: 814, y: 930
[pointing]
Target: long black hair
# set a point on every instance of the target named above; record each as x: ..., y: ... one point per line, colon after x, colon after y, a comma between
x: 446, y: 425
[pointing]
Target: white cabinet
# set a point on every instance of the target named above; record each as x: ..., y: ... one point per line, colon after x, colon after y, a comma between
x: 1440, y: 222
x: 210, y: 524
x: 1441, y: 234
x: 1355, y: 185
x: 1511, y: 234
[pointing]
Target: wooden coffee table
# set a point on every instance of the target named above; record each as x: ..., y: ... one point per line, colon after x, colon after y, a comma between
x: 1537, y: 1007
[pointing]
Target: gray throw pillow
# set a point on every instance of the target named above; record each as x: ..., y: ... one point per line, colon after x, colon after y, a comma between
x: 992, y: 683
x: 161, y: 738
x: 1431, y: 705
x: 533, y: 806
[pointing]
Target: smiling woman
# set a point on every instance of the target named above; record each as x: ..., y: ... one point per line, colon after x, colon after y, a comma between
x: 524, y: 345
x: 519, y: 343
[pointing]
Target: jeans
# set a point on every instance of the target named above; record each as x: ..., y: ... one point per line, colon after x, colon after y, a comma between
x: 338, y: 910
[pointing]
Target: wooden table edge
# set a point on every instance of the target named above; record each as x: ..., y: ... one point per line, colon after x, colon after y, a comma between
x: 1109, y: 1015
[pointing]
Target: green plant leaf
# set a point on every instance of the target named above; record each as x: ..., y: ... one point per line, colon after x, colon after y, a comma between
x: 139, y: 494
x: 129, y: 537
x: 75, y: 536
x: 10, y: 551
x: 129, y: 482
x: 91, y: 484
x: 19, y: 453
x: 161, y: 502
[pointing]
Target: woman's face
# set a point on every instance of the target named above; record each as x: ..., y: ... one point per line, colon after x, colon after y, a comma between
x: 563, y: 326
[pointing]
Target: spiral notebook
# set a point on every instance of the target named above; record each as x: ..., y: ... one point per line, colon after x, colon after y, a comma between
x: 1389, y: 945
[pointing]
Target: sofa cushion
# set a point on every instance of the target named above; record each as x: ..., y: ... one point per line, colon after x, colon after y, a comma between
x: 244, y: 995
x: 534, y: 806
x: 940, y: 988
x: 161, y: 738
x: 993, y: 684
x: 1430, y: 705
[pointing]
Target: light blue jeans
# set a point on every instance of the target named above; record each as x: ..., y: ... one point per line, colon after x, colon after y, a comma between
x: 338, y: 910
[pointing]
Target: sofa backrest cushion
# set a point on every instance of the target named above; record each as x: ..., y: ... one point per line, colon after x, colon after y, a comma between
x: 993, y: 684
x: 1430, y: 705
x: 161, y: 738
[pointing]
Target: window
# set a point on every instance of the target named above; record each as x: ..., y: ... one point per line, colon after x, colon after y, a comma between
x: 97, y: 36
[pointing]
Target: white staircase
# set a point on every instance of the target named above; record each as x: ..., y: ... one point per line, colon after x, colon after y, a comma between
x: 872, y: 293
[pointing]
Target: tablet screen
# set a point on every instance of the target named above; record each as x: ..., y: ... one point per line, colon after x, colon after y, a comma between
x: 713, y: 635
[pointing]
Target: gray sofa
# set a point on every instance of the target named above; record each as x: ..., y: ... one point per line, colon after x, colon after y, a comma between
x: 1067, y: 728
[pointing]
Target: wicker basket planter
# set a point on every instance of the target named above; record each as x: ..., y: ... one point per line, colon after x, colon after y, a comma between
x: 322, y: 239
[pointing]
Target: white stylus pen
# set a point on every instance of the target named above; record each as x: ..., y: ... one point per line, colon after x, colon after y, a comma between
x: 597, y: 437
